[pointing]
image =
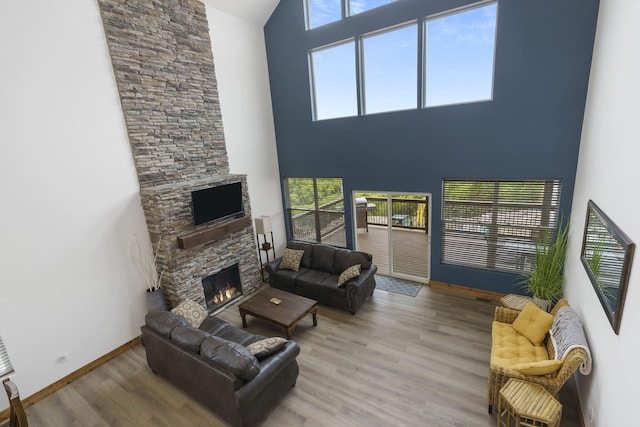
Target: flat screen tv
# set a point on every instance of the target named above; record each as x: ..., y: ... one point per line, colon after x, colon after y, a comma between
x: 218, y: 202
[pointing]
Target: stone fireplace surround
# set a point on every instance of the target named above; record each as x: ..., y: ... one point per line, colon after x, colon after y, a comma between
x: 163, y: 65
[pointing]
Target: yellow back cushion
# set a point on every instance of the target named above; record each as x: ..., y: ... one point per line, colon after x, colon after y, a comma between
x: 533, y: 323
x: 543, y: 367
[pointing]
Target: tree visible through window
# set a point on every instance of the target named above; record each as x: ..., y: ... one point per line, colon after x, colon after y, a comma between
x: 316, y: 209
x: 494, y: 224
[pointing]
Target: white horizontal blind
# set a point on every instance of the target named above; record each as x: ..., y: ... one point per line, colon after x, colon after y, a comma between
x: 5, y: 363
x: 493, y: 224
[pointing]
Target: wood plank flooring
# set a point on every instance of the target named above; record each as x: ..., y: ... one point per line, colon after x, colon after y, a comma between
x: 400, y: 361
x: 411, y: 254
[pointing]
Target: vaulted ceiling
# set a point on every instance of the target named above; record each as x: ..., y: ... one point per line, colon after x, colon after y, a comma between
x: 257, y: 11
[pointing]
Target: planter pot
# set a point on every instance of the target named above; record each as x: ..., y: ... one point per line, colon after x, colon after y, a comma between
x: 544, y: 304
x: 155, y: 301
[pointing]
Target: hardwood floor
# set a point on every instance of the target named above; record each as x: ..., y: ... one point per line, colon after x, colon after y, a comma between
x: 400, y: 361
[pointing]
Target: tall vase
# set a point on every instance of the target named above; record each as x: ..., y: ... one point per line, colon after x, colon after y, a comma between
x: 155, y: 301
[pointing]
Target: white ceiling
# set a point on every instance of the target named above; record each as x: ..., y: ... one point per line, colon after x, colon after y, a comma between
x: 257, y: 11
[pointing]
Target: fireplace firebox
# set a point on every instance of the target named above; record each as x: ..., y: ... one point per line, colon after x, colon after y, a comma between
x: 222, y: 288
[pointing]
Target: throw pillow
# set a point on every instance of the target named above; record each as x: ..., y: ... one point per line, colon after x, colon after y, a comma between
x: 193, y: 312
x: 533, y: 323
x: 543, y: 367
x: 263, y: 348
x: 350, y: 273
x: 291, y: 259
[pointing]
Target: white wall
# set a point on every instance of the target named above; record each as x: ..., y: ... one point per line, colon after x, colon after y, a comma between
x: 240, y: 60
x: 70, y: 202
x: 609, y: 174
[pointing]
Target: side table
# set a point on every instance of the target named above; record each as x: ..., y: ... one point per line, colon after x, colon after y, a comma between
x: 515, y: 302
x: 528, y: 404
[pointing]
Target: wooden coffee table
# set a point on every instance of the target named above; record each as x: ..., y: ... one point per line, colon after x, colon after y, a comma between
x: 285, y: 315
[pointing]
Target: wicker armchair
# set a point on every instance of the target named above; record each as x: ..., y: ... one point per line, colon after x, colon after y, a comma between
x: 498, y: 376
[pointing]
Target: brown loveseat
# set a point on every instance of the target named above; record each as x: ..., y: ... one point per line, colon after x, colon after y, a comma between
x: 318, y: 273
x: 211, y: 364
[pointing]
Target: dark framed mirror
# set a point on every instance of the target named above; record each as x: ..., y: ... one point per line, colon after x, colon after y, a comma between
x: 607, y: 253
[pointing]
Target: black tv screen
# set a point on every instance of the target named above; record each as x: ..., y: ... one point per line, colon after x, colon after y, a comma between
x: 217, y: 202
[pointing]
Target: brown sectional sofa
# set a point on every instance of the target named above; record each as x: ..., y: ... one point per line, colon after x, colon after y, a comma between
x: 211, y: 364
x: 317, y: 277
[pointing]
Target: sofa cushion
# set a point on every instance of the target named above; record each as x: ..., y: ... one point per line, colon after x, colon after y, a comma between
x: 266, y: 347
x: 291, y: 259
x: 237, y: 335
x: 163, y: 322
x: 302, y: 246
x: 350, y: 273
x: 192, y: 311
x: 533, y: 323
x: 344, y: 258
x: 543, y: 367
x: 230, y: 356
x: 287, y: 278
x: 213, y: 325
x: 322, y: 257
x: 311, y: 277
x: 188, y: 338
x: 509, y: 348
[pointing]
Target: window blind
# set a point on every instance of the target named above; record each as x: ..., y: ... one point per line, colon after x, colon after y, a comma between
x: 5, y: 364
x: 494, y: 224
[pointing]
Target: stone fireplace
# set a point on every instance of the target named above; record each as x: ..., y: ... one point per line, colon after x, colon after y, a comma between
x: 163, y: 64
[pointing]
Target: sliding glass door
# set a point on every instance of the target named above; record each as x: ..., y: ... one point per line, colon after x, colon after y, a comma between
x: 395, y: 229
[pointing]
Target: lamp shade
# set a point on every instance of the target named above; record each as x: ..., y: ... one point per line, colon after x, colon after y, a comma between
x: 263, y: 224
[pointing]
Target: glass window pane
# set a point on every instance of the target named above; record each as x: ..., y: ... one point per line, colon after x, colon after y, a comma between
x: 459, y: 56
x: 390, y: 70
x: 321, y: 12
x: 358, y: 6
x: 334, y: 81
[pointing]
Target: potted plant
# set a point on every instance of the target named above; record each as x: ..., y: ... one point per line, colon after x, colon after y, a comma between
x: 155, y: 298
x: 546, y: 279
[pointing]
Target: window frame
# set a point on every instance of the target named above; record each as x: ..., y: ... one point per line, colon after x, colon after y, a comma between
x: 421, y: 58
x: 425, y: 47
x: 491, y: 236
x: 312, y: 78
x: 319, y: 213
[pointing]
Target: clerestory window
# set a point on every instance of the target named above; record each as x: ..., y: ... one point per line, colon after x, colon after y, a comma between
x: 443, y: 59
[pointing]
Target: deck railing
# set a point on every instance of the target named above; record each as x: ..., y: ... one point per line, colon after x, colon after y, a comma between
x: 405, y: 213
x: 315, y: 225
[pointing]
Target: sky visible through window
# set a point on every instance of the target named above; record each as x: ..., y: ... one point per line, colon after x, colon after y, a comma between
x: 334, y: 81
x: 391, y: 70
x: 458, y: 64
x: 323, y: 12
x: 460, y: 52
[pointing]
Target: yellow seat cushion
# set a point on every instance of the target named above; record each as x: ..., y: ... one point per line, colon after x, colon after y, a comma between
x: 533, y: 323
x: 508, y: 347
x: 543, y: 367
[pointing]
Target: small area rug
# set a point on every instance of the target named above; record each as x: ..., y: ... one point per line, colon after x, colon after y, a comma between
x: 398, y: 286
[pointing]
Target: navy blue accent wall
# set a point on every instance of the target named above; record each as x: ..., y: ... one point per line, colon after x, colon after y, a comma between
x: 531, y: 128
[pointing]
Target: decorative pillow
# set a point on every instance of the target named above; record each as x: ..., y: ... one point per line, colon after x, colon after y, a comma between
x: 193, y: 312
x: 263, y: 348
x: 291, y: 259
x: 543, y: 367
x: 533, y: 323
x: 348, y: 274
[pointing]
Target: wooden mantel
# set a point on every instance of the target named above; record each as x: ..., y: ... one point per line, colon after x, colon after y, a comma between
x: 188, y: 241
